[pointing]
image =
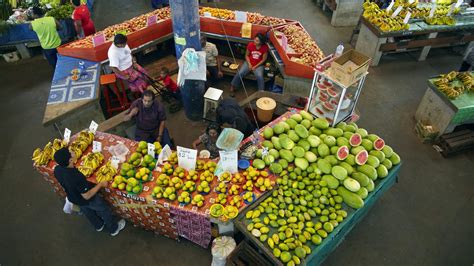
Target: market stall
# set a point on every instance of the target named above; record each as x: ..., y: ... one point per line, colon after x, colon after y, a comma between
x: 412, y: 27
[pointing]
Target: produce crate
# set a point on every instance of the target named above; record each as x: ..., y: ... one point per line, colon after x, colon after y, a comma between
x: 456, y: 142
x: 231, y: 28
x: 292, y: 68
x: 321, y: 252
x: 346, y: 75
x: 135, y: 39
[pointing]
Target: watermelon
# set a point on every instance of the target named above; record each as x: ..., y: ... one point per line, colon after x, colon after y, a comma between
x: 332, y: 93
x: 379, y: 144
x: 342, y: 153
x: 361, y: 157
x: 355, y: 140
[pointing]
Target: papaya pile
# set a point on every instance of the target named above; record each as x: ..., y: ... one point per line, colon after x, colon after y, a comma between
x: 321, y: 170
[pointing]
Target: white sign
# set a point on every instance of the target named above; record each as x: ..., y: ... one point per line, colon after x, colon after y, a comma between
x: 411, y: 1
x: 187, y: 158
x: 240, y: 16
x: 93, y: 127
x: 407, y: 17
x: 432, y: 11
x: 96, y: 146
x: 151, y: 149
x: 164, y: 155
x: 451, y: 10
x: 228, y: 161
x: 114, y: 161
x: 208, y: 14
x: 458, y: 3
x: 390, y: 6
x: 67, y: 135
x: 397, y: 11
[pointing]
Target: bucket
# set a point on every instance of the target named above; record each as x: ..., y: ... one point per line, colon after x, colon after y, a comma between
x: 265, y: 108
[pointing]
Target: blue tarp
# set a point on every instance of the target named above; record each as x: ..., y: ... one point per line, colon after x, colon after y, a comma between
x: 21, y: 33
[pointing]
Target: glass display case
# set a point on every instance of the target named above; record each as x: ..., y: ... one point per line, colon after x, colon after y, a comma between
x: 333, y: 100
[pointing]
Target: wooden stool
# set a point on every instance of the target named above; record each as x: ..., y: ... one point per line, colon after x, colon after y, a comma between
x: 211, y: 101
x: 110, y: 83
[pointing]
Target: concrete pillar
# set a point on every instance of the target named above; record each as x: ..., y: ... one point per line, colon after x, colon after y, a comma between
x: 347, y: 13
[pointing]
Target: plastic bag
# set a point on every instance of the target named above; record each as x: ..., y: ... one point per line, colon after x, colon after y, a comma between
x: 68, y: 207
x: 221, y: 249
x: 164, y: 154
x: 120, y: 151
x: 192, y: 65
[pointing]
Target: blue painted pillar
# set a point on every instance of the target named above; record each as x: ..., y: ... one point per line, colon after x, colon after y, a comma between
x: 186, y: 25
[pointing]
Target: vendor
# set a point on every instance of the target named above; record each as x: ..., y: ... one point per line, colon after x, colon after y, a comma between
x: 84, y: 194
x: 213, y: 65
x: 255, y: 57
x: 82, y: 19
x: 47, y: 30
x: 209, y: 139
x: 150, y: 116
x: 229, y: 112
x: 124, y: 65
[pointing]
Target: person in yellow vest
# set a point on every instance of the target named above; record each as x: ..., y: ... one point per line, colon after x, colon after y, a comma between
x: 47, y: 30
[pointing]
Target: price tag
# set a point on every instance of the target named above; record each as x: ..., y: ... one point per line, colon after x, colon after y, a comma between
x: 390, y: 6
x: 98, y: 39
x: 407, y: 17
x: 194, y: 209
x: 411, y: 1
x: 213, y: 200
x: 186, y: 158
x: 151, y: 20
x: 114, y: 161
x: 240, y: 16
x: 67, y: 135
x: 207, y: 14
x: 151, y: 149
x: 432, y: 11
x: 93, y: 127
x: 397, y: 11
x: 228, y: 161
x: 96, y: 146
x: 284, y: 42
x: 146, y: 188
x: 166, y: 205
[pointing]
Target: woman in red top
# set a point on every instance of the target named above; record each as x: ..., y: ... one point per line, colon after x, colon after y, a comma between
x: 82, y: 19
x: 255, y: 57
x: 169, y: 84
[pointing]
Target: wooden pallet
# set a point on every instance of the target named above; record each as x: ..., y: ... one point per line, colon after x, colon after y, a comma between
x: 456, y: 142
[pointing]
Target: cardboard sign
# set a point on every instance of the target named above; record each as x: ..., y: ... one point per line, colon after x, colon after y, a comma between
x: 390, y: 6
x: 432, y: 11
x: 240, y: 16
x: 187, y: 158
x: 151, y: 149
x: 284, y: 42
x: 407, y: 17
x: 96, y: 146
x: 246, y: 30
x: 98, y: 39
x: 397, y: 11
x: 151, y: 20
x: 228, y: 161
x: 114, y: 161
x: 93, y: 127
x: 67, y: 135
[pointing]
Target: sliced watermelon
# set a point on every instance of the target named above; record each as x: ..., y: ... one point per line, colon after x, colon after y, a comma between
x: 328, y: 106
x: 327, y: 83
x: 319, y: 111
x: 332, y: 92
x: 322, y: 87
x: 342, y: 153
x: 355, y: 140
x: 379, y: 144
x: 361, y: 157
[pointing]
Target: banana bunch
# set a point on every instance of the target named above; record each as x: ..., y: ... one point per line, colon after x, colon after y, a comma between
x: 106, y: 172
x: 454, y: 83
x: 467, y: 80
x: 42, y: 157
x: 382, y: 18
x: 90, y: 163
x: 441, y: 20
x: 80, y: 144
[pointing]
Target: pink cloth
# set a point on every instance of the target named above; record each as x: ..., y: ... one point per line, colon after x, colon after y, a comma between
x: 137, y: 82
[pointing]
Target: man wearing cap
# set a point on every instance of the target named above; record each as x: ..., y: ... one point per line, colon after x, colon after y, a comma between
x: 84, y: 194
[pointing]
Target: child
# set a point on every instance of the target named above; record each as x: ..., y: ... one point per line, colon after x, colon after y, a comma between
x: 170, y: 84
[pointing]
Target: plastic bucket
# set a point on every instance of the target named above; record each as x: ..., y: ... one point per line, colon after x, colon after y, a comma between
x: 265, y: 108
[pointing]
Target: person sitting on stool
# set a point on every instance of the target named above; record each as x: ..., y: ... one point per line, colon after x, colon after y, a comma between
x: 149, y: 116
x: 209, y: 139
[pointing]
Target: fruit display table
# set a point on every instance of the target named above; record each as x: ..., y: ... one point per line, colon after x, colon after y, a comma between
x: 374, y: 43
x: 443, y: 113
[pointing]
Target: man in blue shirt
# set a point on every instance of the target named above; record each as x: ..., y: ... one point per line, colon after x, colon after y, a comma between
x: 84, y: 194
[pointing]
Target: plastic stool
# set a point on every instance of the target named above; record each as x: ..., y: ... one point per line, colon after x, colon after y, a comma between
x: 211, y: 101
x: 110, y: 83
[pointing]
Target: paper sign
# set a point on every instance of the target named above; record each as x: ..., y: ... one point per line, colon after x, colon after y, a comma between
x: 246, y: 30
x: 98, y: 39
x: 96, y: 146
x: 240, y: 16
x: 397, y: 11
x: 93, y: 127
x: 411, y: 1
x: 187, y: 158
x: 179, y: 40
x: 451, y: 9
x: 151, y: 149
x: 407, y: 17
x: 67, y: 135
x: 114, y: 161
x: 458, y: 3
x: 164, y: 155
x: 284, y: 42
x: 151, y: 20
x: 432, y: 11
x: 228, y: 161
x: 390, y: 6
x: 207, y: 14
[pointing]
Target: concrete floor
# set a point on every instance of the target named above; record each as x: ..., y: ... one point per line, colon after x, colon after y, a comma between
x: 425, y: 219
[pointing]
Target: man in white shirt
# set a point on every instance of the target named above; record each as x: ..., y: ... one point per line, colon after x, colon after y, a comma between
x: 213, y: 65
x: 124, y: 65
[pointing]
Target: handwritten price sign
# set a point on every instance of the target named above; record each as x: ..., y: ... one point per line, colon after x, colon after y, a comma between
x: 187, y: 158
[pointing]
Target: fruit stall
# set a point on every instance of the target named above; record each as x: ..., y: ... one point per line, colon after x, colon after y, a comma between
x: 307, y: 186
x: 408, y: 27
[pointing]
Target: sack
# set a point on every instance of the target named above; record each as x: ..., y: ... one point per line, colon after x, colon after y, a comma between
x: 68, y: 207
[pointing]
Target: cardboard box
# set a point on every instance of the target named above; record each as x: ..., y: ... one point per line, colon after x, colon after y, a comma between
x: 349, y: 67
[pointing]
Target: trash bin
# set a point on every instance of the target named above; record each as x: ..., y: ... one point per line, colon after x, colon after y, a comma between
x: 193, y: 98
x: 221, y: 249
x: 265, y: 108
